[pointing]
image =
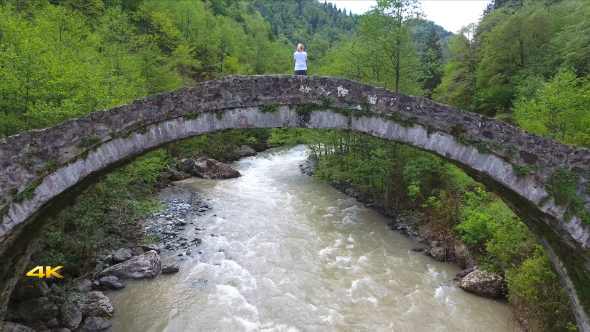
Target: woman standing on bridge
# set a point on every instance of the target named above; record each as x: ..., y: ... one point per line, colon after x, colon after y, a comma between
x: 300, y: 61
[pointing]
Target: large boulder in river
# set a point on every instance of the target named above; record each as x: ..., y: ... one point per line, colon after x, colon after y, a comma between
x: 93, y: 304
x: 143, y: 266
x: 207, y: 168
x: 12, y: 327
x: 483, y: 283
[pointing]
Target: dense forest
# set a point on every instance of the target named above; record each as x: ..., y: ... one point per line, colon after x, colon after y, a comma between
x: 525, y: 62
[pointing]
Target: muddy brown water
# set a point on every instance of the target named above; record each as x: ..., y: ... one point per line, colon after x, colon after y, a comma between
x: 291, y: 254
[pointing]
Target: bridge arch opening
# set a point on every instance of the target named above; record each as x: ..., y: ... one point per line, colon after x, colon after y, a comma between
x: 71, y: 155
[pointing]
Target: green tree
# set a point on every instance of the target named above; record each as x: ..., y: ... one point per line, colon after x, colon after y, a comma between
x: 432, y: 68
x: 386, y: 29
x: 458, y: 84
x: 559, y: 110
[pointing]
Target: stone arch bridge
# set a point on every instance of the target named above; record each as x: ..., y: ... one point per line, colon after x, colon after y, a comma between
x: 532, y: 174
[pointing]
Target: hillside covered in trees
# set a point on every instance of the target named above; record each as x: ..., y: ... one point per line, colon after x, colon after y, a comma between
x: 526, y: 62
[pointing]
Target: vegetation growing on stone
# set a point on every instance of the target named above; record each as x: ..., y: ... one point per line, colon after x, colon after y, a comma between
x: 462, y: 138
x: 192, y: 115
x: 326, y: 101
x: 483, y: 147
x: 562, y: 187
x: 521, y: 170
x: 51, y: 165
x: 28, y: 192
x: 90, y: 142
x: 403, y: 121
x: 270, y: 107
x: 4, y: 210
x: 511, y: 150
x: 306, y: 108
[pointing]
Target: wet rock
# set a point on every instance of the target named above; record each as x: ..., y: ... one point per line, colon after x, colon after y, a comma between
x: 438, y: 253
x: 100, y: 266
x: 96, y: 324
x: 483, y: 283
x: 163, y: 175
x: 13, y: 327
x: 84, y: 286
x: 52, y: 323
x: 93, y: 304
x: 170, y: 269
x: 71, y: 317
x: 308, y: 167
x: 461, y: 274
x: 122, y: 255
x: 111, y: 282
x: 37, y: 312
x: 147, y: 265
x: 29, y: 288
x: 55, y: 289
x: 238, y: 153
x: 465, y: 258
x: 176, y: 175
x: 109, y: 260
x: 207, y: 168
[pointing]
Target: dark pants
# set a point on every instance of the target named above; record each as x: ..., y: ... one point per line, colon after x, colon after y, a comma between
x: 301, y: 72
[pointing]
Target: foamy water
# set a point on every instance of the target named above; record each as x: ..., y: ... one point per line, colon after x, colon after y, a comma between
x: 290, y: 254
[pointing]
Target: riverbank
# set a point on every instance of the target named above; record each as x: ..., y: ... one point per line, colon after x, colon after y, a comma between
x: 81, y: 305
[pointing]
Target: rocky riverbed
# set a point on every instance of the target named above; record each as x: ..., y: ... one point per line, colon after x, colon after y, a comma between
x: 169, y: 236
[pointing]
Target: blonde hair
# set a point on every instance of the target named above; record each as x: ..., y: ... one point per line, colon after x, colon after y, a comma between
x: 300, y: 47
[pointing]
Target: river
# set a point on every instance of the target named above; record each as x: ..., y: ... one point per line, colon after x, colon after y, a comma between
x: 291, y: 254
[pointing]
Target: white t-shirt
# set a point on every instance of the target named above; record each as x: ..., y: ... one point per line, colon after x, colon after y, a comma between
x: 300, y: 60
